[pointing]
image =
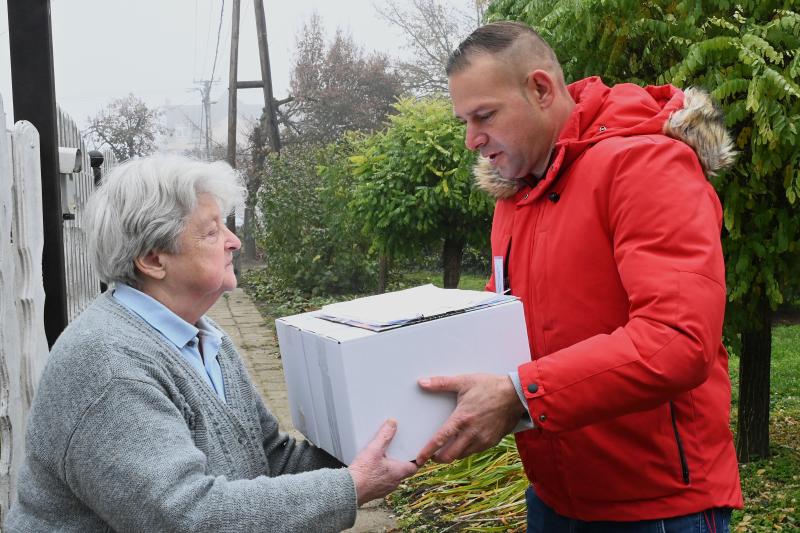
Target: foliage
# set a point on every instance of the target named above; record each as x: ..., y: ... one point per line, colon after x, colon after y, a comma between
x: 252, y: 169
x: 415, y: 181
x: 337, y: 88
x: 309, y: 237
x: 432, y: 30
x: 476, y: 261
x: 751, y: 63
x: 486, y: 491
x: 127, y: 126
x: 310, y: 241
x: 276, y: 298
x: 619, y: 40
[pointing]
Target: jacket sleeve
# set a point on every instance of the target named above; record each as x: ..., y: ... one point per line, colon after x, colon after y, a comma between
x: 132, y: 460
x: 664, y: 220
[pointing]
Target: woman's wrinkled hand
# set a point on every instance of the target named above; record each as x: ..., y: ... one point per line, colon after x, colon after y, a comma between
x: 374, y: 474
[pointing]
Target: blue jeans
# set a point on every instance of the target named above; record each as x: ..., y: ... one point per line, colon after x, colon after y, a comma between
x: 542, y: 519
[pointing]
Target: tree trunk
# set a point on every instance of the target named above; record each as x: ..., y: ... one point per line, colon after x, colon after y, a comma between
x: 451, y: 258
x: 383, y: 272
x: 752, y: 440
x: 249, y: 232
x: 249, y: 227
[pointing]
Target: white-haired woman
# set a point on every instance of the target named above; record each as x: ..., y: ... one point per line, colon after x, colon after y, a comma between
x: 145, y: 419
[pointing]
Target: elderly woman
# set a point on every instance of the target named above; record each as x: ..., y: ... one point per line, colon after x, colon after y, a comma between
x: 145, y: 419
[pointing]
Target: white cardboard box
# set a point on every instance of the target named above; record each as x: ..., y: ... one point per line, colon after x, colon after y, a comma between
x: 344, y: 381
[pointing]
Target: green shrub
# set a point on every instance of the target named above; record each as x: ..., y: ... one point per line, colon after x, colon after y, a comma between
x: 310, y: 241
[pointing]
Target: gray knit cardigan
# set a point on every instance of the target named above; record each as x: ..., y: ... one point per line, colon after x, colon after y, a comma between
x: 124, y: 435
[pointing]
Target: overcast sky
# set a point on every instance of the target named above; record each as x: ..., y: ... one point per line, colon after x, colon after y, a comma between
x: 158, y: 49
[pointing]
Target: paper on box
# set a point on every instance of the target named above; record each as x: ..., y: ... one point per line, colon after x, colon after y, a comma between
x: 344, y: 381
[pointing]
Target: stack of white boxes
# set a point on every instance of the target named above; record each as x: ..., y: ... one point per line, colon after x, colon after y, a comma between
x: 343, y: 382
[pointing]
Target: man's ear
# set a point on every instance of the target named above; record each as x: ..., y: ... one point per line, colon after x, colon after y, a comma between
x: 151, y: 265
x: 541, y: 88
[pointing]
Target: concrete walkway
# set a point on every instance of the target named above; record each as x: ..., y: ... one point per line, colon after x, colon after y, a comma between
x: 239, y: 317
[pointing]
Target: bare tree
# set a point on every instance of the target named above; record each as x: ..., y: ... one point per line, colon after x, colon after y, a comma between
x: 337, y: 87
x: 126, y: 126
x: 433, y: 29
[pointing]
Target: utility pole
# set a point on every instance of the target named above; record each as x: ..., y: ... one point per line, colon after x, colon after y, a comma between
x: 266, y: 76
x: 207, y: 112
x: 232, y: 77
x: 270, y: 105
x: 31, y: 45
x: 205, y: 92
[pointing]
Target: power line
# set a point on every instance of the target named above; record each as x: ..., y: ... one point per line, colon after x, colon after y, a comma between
x: 219, y: 33
x: 194, y: 40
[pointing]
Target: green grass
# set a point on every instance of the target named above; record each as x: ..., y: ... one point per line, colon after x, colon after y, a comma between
x: 772, y: 486
x: 412, y: 279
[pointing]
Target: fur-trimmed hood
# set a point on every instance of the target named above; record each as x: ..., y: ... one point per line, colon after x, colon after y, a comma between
x: 623, y: 110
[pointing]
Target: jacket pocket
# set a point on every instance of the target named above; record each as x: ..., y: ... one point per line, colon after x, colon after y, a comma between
x: 679, y: 442
x: 630, y: 458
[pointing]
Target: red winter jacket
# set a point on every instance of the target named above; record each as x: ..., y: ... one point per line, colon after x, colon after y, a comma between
x: 616, y: 256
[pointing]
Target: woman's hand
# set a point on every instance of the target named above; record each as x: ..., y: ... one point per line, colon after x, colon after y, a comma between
x: 374, y: 474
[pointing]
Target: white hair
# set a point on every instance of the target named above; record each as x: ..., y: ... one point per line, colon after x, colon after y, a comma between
x: 142, y: 206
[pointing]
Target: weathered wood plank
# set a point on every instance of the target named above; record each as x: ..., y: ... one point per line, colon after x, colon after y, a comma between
x: 82, y: 282
x: 23, y: 343
x: 28, y: 242
x: 9, y: 333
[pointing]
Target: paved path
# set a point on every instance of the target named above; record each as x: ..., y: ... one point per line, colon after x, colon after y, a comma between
x: 238, y: 316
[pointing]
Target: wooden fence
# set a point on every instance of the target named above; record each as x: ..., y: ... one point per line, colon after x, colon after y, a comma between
x: 82, y: 281
x: 23, y: 345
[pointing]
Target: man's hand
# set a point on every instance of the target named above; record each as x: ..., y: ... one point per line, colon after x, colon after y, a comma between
x: 488, y: 409
x: 374, y: 474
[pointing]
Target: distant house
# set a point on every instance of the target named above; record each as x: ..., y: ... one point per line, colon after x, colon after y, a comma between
x: 186, y: 127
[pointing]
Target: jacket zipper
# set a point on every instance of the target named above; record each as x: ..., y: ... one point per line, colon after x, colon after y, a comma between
x: 684, y: 463
x: 506, y: 273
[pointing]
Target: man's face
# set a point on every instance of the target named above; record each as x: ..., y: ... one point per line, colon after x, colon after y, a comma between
x: 504, y: 116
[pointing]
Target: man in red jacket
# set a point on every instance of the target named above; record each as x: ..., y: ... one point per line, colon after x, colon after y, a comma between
x: 608, y: 231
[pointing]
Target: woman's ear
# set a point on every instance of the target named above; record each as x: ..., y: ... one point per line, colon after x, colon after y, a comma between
x: 151, y: 265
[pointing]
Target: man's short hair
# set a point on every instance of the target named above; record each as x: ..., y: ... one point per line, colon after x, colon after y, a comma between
x: 142, y: 206
x: 496, y: 38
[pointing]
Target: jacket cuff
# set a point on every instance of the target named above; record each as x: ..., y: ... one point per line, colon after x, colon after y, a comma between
x: 525, y: 422
x: 531, y: 387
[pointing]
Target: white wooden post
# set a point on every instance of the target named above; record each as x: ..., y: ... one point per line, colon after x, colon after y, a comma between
x: 9, y: 333
x: 23, y: 344
x: 29, y: 243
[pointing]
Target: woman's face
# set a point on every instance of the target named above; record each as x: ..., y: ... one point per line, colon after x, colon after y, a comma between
x: 203, y: 269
